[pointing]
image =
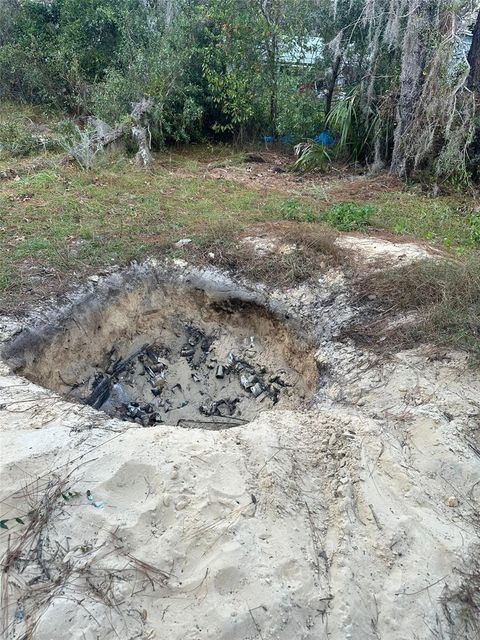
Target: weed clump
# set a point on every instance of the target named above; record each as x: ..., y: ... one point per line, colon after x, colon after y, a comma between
x: 17, y: 140
x: 474, y: 222
x: 461, y: 605
x: 301, y: 251
x: 349, y: 216
x: 298, y: 211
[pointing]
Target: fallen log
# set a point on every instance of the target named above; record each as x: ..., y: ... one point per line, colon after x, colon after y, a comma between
x: 103, y: 136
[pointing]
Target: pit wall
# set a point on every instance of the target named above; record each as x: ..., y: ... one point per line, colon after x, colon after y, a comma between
x: 132, y: 307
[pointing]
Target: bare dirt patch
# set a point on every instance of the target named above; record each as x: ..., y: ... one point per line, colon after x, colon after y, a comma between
x: 274, y: 174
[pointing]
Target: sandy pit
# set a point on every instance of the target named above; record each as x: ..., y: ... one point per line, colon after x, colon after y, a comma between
x: 346, y: 510
x: 171, y: 352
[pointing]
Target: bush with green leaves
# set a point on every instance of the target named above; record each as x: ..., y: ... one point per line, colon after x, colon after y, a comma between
x: 211, y: 68
x: 349, y: 216
x: 475, y: 228
x: 300, y: 114
x: 311, y: 156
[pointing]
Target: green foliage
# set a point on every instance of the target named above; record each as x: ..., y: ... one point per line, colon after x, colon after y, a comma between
x: 300, y: 115
x: 18, y: 138
x: 357, y: 130
x: 297, y: 210
x: 15, y: 140
x: 344, y: 119
x: 90, y: 32
x: 215, y: 68
x: 444, y: 220
x: 349, y: 216
x: 231, y: 67
x: 176, y: 115
x: 225, y: 69
x: 474, y: 222
x: 29, y: 131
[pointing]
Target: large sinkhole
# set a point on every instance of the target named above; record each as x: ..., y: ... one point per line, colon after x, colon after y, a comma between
x: 183, y: 351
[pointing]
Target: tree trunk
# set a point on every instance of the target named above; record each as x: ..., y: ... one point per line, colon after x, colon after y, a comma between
x: 104, y: 136
x: 414, y: 58
x: 332, y: 82
x: 140, y: 133
x: 272, y: 13
x: 274, y: 84
x: 473, y: 81
x: 143, y: 156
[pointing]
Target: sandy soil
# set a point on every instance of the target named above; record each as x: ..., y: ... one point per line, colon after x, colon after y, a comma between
x: 345, y: 521
x: 377, y: 251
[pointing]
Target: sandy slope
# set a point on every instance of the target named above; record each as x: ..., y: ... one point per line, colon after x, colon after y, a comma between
x: 343, y: 522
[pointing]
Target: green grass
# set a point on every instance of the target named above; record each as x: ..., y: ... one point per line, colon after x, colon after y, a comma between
x: 116, y: 213
x: 119, y: 212
x: 349, y: 216
x: 446, y: 221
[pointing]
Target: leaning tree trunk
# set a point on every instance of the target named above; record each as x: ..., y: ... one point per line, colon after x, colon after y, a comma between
x: 104, y: 136
x: 331, y: 84
x: 414, y: 57
x: 473, y: 81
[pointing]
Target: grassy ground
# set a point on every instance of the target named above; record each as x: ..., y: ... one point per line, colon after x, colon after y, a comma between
x: 59, y: 223
x: 449, y: 221
x: 69, y: 219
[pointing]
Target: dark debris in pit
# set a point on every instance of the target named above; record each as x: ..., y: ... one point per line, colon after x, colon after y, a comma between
x: 187, y: 383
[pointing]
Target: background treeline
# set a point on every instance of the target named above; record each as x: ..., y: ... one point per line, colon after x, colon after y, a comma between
x: 395, y: 82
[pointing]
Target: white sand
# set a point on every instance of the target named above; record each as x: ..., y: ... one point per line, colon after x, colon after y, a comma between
x: 379, y: 250
x: 332, y: 523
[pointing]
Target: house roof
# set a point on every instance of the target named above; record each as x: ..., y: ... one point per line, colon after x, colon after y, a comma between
x: 302, y: 53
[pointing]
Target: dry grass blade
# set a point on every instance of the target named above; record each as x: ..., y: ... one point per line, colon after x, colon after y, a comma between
x: 44, y: 499
x: 39, y: 570
x: 461, y: 605
x: 299, y: 252
x: 142, y: 565
x: 444, y: 297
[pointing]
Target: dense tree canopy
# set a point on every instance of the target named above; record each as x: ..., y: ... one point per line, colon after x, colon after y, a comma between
x: 393, y: 81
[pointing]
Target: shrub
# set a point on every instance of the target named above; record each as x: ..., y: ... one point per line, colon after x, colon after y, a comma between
x: 176, y: 115
x: 16, y: 139
x: 475, y: 228
x: 20, y: 136
x: 300, y: 115
x: 311, y: 157
x: 349, y: 216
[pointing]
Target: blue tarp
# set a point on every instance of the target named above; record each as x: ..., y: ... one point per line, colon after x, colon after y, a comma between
x: 324, y: 138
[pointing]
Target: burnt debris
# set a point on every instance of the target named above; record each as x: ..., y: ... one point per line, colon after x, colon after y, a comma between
x: 186, y: 382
